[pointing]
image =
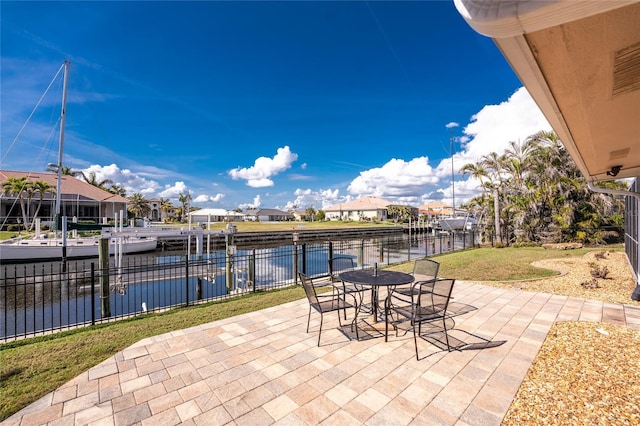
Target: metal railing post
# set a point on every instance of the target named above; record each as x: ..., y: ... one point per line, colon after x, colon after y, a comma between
x: 186, y: 281
x: 252, y: 269
x: 304, y: 258
x: 93, y: 293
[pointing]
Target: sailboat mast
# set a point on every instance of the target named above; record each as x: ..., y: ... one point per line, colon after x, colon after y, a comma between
x: 63, y: 116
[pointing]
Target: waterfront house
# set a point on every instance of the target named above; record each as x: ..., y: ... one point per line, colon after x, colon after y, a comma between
x: 78, y: 199
x: 215, y: 215
x: 365, y: 208
x: 267, y: 215
x: 157, y: 213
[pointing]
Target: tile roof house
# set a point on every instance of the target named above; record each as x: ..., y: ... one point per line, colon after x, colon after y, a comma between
x: 159, y: 214
x: 215, y: 215
x: 267, y: 215
x: 436, y: 208
x: 365, y: 208
x: 78, y: 199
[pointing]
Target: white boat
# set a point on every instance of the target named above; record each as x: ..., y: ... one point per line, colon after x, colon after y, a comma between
x: 47, y: 249
x: 43, y: 248
x: 458, y: 223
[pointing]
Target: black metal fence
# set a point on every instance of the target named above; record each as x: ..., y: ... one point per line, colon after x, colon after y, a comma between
x: 37, y: 299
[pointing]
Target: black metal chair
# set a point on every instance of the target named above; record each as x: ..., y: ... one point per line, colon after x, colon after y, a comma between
x: 423, y: 270
x: 429, y: 303
x: 324, y: 303
x: 340, y: 264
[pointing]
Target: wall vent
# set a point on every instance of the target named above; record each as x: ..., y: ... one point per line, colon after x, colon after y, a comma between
x: 626, y: 70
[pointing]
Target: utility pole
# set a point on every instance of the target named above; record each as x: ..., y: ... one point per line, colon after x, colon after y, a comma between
x: 450, y: 126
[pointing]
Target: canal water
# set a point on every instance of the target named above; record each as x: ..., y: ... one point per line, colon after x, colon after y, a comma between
x: 40, y: 298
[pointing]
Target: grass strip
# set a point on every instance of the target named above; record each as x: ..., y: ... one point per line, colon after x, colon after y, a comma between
x: 500, y: 264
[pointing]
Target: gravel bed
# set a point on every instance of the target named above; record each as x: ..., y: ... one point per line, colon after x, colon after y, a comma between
x: 586, y: 373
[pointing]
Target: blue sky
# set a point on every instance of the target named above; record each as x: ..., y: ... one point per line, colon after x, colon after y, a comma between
x: 260, y: 104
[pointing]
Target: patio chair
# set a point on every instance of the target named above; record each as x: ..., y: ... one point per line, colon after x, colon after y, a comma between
x: 428, y: 307
x: 324, y: 303
x: 423, y: 270
x: 340, y: 264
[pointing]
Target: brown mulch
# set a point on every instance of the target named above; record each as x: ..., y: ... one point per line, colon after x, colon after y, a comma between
x: 616, y: 287
x: 586, y: 373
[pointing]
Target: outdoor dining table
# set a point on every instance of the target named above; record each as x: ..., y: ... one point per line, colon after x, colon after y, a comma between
x: 377, y: 279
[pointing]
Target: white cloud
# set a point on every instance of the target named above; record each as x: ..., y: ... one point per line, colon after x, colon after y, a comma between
x: 316, y: 199
x: 397, y: 178
x: 491, y: 129
x: 174, y: 191
x: 132, y: 182
x: 203, y: 198
x: 257, y: 202
x: 259, y: 175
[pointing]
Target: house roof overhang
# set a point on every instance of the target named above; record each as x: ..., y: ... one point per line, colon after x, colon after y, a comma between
x: 580, y: 61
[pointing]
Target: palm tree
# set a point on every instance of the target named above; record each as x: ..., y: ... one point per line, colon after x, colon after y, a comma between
x: 494, y: 164
x: 17, y: 187
x: 310, y: 213
x: 66, y: 171
x: 165, y: 206
x: 139, y: 205
x: 41, y: 187
x: 117, y: 189
x: 538, y: 195
x: 184, y: 199
x: 92, y: 179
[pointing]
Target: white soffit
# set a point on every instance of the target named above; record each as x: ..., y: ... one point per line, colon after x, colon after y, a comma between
x: 565, y: 53
x: 510, y: 18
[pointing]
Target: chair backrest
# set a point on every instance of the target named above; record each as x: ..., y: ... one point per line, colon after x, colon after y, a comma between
x: 340, y: 264
x: 425, y: 269
x: 435, y: 294
x: 310, y: 291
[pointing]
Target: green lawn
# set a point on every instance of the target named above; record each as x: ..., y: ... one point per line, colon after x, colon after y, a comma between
x: 33, y: 367
x: 502, y: 264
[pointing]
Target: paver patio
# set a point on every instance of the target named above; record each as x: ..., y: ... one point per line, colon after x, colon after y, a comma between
x: 262, y: 368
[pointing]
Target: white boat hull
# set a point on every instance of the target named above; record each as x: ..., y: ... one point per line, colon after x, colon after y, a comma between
x: 51, y: 249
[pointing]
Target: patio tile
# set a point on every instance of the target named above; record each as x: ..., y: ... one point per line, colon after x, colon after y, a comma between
x: 280, y: 407
x: 133, y: 385
x: 188, y: 410
x: 164, y: 402
x: 475, y: 416
x: 132, y: 415
x: 316, y: 411
x: 96, y: 412
x: 255, y: 417
x: 81, y: 403
x: 262, y: 368
x: 194, y: 390
x: 123, y: 402
x: 64, y: 394
x: 44, y: 415
x: 168, y: 417
x: 257, y: 397
x: 229, y: 391
x: 149, y: 392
